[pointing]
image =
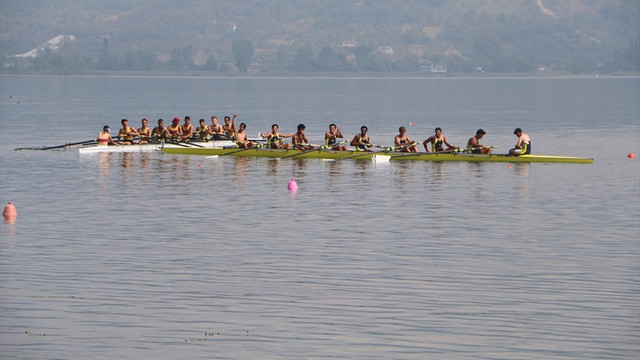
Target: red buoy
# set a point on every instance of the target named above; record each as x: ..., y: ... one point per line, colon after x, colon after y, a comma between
x: 9, y: 213
x: 631, y: 155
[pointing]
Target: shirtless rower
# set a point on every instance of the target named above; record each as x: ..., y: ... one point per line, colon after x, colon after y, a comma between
x: 361, y: 141
x: 437, y: 142
x: 127, y: 133
x: 274, y: 138
x: 144, y: 131
x: 474, y: 145
x: 104, y: 137
x: 241, y: 137
x: 299, y: 139
x: 523, y: 147
x: 403, y: 143
x: 331, y: 138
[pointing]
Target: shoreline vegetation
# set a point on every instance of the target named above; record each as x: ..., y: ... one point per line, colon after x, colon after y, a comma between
x: 328, y: 75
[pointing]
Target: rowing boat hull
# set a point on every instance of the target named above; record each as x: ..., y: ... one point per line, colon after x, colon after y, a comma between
x: 491, y: 158
x: 359, y: 155
x: 271, y: 153
x: 137, y: 148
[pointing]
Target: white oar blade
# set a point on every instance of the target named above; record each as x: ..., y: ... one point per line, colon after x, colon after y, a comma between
x: 213, y: 157
x: 381, y: 159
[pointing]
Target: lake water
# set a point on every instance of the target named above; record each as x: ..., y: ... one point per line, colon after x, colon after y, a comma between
x: 131, y: 256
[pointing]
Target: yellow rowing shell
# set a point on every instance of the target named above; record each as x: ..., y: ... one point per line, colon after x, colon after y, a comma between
x: 360, y: 155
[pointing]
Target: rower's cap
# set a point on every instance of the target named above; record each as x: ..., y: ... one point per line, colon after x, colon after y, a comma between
x: 105, y: 128
x: 480, y: 131
x: 517, y: 130
x: 176, y: 119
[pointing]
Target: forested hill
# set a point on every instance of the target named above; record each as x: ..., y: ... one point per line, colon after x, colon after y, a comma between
x: 463, y: 36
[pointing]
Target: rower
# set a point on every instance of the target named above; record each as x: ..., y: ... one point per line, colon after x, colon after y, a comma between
x: 403, y: 143
x: 229, y: 126
x: 127, y: 132
x: 144, y: 131
x: 175, y: 130
x: 361, y: 141
x: 187, y: 129
x: 300, y: 141
x: 331, y: 138
x: 203, y: 131
x: 160, y: 133
x: 437, y: 142
x: 275, y: 139
x: 241, y: 137
x: 215, y: 128
x: 523, y: 146
x: 474, y: 145
x: 104, y: 137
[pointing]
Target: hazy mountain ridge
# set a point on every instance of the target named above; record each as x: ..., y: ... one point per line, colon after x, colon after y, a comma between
x: 493, y: 34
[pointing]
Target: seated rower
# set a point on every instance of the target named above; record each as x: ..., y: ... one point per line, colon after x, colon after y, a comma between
x: 127, y: 133
x: 229, y: 127
x: 523, y: 146
x: 175, y: 130
x: 203, y: 131
x: 104, y: 137
x: 331, y: 138
x: 160, y: 133
x: 474, y: 145
x: 275, y: 139
x: 437, y: 142
x: 187, y: 129
x: 300, y: 141
x: 241, y: 137
x: 144, y: 132
x: 403, y: 143
x: 361, y: 141
x: 215, y: 129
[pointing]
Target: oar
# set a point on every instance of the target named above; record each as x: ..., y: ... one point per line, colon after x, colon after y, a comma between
x: 476, y: 148
x: 317, y: 148
x: 458, y: 150
x: 189, y: 144
x: 363, y: 153
x: 239, y: 151
x: 61, y: 146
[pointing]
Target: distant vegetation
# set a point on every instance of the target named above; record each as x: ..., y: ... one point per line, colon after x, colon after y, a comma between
x: 330, y: 36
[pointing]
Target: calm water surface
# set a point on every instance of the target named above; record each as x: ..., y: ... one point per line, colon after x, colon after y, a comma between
x: 135, y: 256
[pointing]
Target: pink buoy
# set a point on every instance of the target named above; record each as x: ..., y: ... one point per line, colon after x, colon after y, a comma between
x: 9, y: 213
x: 292, y: 186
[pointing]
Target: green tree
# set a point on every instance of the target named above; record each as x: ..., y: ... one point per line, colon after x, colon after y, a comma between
x: 243, y: 53
x: 211, y: 65
x: 303, y: 61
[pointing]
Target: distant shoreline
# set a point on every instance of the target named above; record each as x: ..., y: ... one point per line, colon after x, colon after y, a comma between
x: 359, y: 75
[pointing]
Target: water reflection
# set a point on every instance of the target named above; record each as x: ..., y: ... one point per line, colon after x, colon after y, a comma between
x: 523, y: 170
x: 240, y: 170
x: 272, y: 168
x: 299, y: 168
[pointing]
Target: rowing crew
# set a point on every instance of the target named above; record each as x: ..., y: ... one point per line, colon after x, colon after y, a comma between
x: 402, y: 142
x: 275, y: 140
x: 174, y: 132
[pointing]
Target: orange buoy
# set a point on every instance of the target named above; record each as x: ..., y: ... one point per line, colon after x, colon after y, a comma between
x: 9, y: 213
x: 631, y: 155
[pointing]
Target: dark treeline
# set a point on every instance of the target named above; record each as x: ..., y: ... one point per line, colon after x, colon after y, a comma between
x: 502, y: 36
